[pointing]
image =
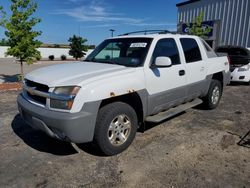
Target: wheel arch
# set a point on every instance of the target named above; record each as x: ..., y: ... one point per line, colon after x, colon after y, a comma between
x: 219, y: 76
x: 135, y: 100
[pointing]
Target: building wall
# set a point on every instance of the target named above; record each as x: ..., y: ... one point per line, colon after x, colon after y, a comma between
x: 234, y: 16
x: 45, y: 52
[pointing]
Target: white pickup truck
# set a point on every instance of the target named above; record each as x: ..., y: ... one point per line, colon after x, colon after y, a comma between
x: 126, y: 81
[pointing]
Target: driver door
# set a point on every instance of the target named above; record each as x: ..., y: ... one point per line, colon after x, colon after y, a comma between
x: 166, y: 86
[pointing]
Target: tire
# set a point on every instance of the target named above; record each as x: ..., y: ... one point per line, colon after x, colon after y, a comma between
x: 116, y: 128
x: 212, y: 99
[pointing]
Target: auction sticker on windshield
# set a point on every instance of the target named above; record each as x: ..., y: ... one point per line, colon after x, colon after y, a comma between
x: 138, y: 45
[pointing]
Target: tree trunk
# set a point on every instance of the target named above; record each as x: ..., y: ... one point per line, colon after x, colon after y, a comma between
x: 22, y: 73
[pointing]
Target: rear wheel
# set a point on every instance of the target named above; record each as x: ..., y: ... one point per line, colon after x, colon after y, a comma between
x: 212, y: 99
x: 116, y: 127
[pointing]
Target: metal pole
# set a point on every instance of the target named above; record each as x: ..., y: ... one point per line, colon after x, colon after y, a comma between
x: 112, y: 35
x: 112, y: 32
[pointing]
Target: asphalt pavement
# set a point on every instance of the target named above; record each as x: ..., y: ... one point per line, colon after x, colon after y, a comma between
x: 195, y: 149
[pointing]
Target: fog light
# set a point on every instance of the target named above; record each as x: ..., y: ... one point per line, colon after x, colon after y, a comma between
x: 242, y: 77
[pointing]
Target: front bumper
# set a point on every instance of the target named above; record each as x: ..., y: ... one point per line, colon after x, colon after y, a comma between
x: 243, y: 76
x: 73, y: 127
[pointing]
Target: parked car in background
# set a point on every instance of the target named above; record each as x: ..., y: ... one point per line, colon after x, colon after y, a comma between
x: 239, y: 62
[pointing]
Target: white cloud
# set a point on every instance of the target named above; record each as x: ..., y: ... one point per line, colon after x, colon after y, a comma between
x: 94, y: 11
x: 98, y: 26
x: 143, y: 24
x: 166, y: 26
x: 98, y: 11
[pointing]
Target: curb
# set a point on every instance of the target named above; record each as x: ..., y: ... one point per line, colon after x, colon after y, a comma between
x: 13, y: 86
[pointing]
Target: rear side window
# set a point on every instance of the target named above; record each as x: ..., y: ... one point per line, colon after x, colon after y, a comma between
x: 191, y: 50
x: 167, y: 48
x: 207, y: 47
x: 209, y: 51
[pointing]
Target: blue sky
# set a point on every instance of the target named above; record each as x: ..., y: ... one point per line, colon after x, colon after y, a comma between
x: 92, y: 19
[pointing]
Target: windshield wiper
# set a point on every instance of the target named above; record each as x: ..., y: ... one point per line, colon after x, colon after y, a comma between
x: 87, y: 60
x: 108, y: 62
x: 100, y: 61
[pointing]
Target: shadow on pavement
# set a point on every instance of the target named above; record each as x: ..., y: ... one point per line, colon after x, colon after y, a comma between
x: 40, y: 141
x: 238, y: 84
x: 9, y: 78
x: 91, y: 149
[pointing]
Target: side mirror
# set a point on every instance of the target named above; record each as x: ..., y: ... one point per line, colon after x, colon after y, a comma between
x: 161, y: 62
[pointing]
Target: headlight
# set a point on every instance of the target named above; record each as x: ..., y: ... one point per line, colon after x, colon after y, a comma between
x: 244, y: 68
x: 64, y: 92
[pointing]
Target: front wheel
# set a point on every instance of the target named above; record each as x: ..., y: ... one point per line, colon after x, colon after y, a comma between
x: 116, y: 128
x: 212, y: 99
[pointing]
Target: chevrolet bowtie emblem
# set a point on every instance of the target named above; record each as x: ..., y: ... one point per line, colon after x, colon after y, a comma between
x: 31, y: 90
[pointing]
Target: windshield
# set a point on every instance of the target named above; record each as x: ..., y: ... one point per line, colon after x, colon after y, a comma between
x: 129, y: 52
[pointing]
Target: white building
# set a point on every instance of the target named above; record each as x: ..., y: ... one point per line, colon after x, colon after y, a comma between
x: 46, y: 52
x: 229, y: 20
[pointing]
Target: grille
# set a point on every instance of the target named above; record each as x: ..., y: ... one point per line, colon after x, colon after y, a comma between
x: 39, y: 87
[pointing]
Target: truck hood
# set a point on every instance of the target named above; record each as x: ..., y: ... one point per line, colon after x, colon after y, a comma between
x: 75, y: 73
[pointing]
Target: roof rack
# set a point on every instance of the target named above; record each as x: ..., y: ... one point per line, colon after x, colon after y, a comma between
x: 150, y: 32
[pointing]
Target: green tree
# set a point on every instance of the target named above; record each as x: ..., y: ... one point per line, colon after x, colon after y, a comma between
x: 4, y: 42
x: 20, y: 33
x: 56, y: 46
x: 196, y: 27
x: 77, y: 47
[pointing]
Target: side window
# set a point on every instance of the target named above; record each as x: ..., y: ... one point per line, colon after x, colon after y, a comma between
x: 207, y: 47
x: 209, y: 51
x: 191, y: 50
x: 167, y: 48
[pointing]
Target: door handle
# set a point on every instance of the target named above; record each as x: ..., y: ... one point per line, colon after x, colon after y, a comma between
x: 181, y: 72
x: 202, y: 68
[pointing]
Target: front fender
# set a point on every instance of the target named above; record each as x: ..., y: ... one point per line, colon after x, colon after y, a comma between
x: 109, y: 87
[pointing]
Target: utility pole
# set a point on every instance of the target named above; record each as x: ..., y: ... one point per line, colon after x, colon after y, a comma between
x: 112, y: 32
x: 112, y: 35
